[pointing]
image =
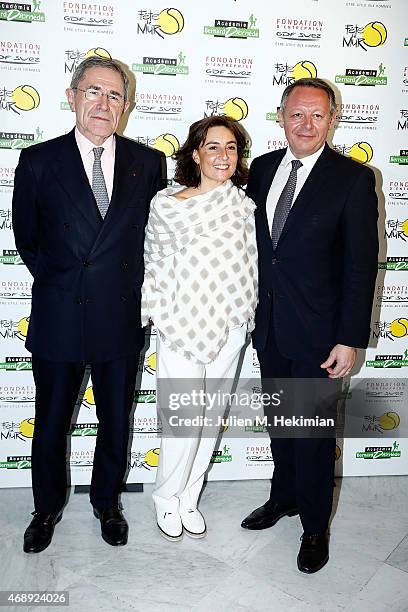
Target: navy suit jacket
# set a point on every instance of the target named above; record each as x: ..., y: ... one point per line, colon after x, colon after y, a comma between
x: 320, y: 279
x: 87, y: 271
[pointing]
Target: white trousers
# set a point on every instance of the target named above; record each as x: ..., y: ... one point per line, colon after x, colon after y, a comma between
x: 183, y: 461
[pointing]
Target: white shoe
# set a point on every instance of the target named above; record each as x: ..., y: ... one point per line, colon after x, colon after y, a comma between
x: 193, y: 523
x: 170, y: 525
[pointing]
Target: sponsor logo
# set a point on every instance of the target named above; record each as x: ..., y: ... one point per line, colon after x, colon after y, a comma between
x: 396, y: 229
x: 397, y: 264
x: 307, y: 31
x: 150, y: 363
x: 394, y: 295
x: 11, y: 257
x: 16, y: 364
x: 97, y: 17
x: 17, y: 394
x: 25, y: 12
x: 81, y: 458
x: 235, y: 108
x: 145, y: 396
x: 146, y: 461
x: 228, y: 69
x: 222, y: 456
x: 275, y: 145
x: 22, y: 98
x: 17, y: 431
x: 400, y: 159
x: 233, y: 28
x: 403, y: 120
x: 385, y: 388
x: 285, y: 74
x: 259, y: 453
x: 381, y: 423
x: 167, y: 22
x: 397, y: 192
x: 19, y: 140
x: 5, y: 219
x: 146, y: 425
x: 18, y: 462
x: 357, y: 115
x: 18, y: 54
x: 159, y: 106
x: 363, y: 77
x: 405, y: 79
x: 84, y: 429
x: 380, y: 452
x: 9, y: 329
x: 394, y: 330
x: 371, y: 35
x: 15, y: 291
x: 337, y: 452
x: 6, y: 183
x: 388, y: 361
x: 361, y: 152
x: 162, y: 65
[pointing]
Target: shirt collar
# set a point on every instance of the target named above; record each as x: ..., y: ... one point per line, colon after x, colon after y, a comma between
x: 86, y: 147
x: 308, y: 161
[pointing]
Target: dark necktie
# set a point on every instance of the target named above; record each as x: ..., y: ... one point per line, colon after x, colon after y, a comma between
x: 284, y: 203
x: 98, y: 183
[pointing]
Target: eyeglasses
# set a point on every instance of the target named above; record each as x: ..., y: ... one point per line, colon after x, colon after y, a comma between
x: 94, y: 95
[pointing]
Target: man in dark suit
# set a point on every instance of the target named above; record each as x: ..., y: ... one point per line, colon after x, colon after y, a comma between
x: 80, y: 205
x: 317, y: 241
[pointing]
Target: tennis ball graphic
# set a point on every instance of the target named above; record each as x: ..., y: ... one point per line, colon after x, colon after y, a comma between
x: 361, y: 152
x: 26, y: 98
x: 405, y: 227
x: 304, y: 69
x: 337, y: 452
x: 150, y: 363
x: 167, y: 144
x: 375, y: 34
x: 22, y: 326
x: 98, y: 52
x: 171, y: 21
x: 236, y: 108
x: 27, y: 428
x: 389, y: 420
x: 152, y: 457
x: 399, y: 328
x: 89, y: 396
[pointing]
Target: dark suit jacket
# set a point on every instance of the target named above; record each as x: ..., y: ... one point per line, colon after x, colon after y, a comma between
x: 87, y: 272
x: 321, y: 277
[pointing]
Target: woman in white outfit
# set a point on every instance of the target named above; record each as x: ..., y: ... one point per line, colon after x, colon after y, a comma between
x: 200, y: 291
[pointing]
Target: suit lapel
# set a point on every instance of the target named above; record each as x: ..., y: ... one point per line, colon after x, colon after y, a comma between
x: 127, y: 175
x: 306, y: 195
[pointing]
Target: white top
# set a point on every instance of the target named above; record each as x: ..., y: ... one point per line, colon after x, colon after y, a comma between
x: 86, y: 147
x: 282, y: 175
x: 201, y: 269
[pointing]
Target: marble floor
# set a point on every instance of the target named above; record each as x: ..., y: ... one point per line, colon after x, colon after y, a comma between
x: 231, y: 569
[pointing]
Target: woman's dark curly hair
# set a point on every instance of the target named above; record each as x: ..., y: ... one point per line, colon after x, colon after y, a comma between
x: 187, y: 172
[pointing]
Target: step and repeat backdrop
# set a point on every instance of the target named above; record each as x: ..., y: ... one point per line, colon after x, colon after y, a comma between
x: 191, y: 60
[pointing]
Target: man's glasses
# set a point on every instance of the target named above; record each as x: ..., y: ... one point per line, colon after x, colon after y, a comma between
x: 94, y: 95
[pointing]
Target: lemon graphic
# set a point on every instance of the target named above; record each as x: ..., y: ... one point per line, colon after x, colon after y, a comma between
x: 89, y: 396
x: 405, y: 227
x: 337, y: 452
x: 399, y: 328
x: 26, y: 98
x: 98, y: 52
x: 389, y: 420
x: 27, y: 428
x: 152, y: 457
x: 304, y: 69
x: 236, y: 108
x: 22, y: 326
x: 375, y: 34
x: 170, y: 21
x: 361, y: 152
x: 167, y: 144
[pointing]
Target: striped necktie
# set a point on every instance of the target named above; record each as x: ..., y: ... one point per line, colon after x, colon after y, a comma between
x: 284, y: 203
x: 98, y: 183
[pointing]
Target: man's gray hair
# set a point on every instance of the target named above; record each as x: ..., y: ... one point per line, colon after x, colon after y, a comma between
x: 309, y: 82
x: 100, y: 62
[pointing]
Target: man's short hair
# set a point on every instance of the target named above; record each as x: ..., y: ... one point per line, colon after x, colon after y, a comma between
x: 100, y: 62
x: 309, y: 82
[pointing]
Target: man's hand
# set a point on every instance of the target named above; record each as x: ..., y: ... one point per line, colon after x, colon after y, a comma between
x: 344, y: 358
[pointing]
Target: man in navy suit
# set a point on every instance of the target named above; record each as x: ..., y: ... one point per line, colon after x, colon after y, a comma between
x: 317, y: 240
x: 80, y: 205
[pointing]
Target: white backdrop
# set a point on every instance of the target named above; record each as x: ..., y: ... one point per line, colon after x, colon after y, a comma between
x: 189, y: 61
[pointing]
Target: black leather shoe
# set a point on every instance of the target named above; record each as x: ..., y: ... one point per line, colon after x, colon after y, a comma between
x: 313, y: 553
x: 267, y: 515
x: 38, y: 534
x: 114, y: 527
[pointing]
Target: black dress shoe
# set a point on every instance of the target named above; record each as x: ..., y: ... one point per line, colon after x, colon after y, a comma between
x: 267, y: 515
x: 114, y: 527
x: 313, y: 553
x: 38, y: 534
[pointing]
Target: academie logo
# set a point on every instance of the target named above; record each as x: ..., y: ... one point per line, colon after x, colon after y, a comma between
x: 160, y: 65
x: 25, y: 12
x: 233, y: 28
x: 373, y: 34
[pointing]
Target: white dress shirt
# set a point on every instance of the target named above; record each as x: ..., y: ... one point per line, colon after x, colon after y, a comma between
x: 282, y: 175
x: 86, y: 147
